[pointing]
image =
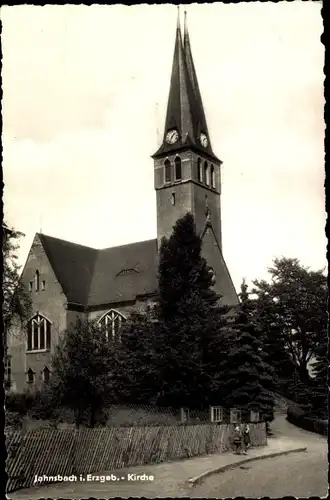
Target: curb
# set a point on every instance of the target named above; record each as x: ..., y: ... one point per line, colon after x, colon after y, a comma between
x: 198, y: 479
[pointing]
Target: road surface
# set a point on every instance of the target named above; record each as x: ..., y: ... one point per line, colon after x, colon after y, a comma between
x: 302, y: 474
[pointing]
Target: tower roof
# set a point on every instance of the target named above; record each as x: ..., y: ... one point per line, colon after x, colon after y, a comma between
x: 185, y: 111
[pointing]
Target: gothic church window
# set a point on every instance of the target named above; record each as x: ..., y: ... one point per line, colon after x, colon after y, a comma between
x: 8, y: 371
x: 112, y: 322
x: 178, y: 169
x: 212, y: 177
x: 43, y: 285
x: 39, y: 333
x: 46, y: 375
x: 199, y: 170
x: 168, y: 171
x: 206, y: 174
x: 30, y: 376
x: 37, y: 281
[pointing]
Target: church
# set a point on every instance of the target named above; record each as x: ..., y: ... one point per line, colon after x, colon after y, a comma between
x: 68, y: 281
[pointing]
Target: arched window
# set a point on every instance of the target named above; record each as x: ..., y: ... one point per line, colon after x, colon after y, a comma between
x: 112, y: 322
x: 30, y: 376
x: 212, y: 176
x: 206, y: 173
x: 199, y: 170
x: 178, y: 169
x: 37, y: 281
x: 168, y: 171
x: 39, y: 332
x: 46, y: 375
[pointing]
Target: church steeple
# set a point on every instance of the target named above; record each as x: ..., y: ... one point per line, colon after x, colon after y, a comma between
x: 198, y: 108
x: 185, y: 123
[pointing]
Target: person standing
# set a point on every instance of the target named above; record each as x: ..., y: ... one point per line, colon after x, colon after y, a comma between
x: 246, y: 439
x: 237, y: 440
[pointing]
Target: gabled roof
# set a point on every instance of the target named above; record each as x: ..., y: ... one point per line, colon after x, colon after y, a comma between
x: 124, y: 272
x: 73, y: 266
x: 92, y: 277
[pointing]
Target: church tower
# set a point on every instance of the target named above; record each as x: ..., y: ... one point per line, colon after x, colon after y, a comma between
x: 187, y: 173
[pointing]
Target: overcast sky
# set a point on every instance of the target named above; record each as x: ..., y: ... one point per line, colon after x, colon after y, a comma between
x: 85, y: 93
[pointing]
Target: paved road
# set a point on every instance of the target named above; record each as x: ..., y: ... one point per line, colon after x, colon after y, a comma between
x: 298, y: 474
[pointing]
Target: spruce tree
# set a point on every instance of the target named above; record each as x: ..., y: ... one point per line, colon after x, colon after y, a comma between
x: 319, y: 397
x: 192, y: 333
x: 135, y: 370
x: 249, y: 379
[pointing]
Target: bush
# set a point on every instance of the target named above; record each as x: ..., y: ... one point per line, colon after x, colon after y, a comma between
x: 20, y: 402
x: 298, y: 417
x: 13, y: 420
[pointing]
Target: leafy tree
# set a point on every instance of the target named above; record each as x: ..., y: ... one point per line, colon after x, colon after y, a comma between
x: 296, y: 309
x: 16, y: 299
x: 16, y: 304
x: 82, y: 377
x: 275, y: 353
x: 249, y: 379
x: 192, y: 337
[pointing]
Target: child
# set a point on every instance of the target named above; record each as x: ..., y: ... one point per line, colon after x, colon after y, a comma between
x: 237, y: 440
x: 246, y: 438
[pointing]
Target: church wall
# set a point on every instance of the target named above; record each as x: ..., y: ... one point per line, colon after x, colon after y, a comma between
x: 125, y: 309
x: 214, y: 258
x: 50, y: 303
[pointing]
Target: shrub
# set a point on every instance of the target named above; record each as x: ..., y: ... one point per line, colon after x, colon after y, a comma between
x: 13, y: 420
x: 298, y: 417
x: 20, y: 402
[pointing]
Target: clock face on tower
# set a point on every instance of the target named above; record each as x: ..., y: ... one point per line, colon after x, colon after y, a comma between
x: 203, y: 139
x: 172, y: 136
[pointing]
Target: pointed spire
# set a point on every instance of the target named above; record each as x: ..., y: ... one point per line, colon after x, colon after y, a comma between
x: 198, y: 108
x: 179, y: 113
x: 185, y: 112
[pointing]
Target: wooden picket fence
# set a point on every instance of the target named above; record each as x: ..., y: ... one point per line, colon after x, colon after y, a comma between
x: 54, y: 452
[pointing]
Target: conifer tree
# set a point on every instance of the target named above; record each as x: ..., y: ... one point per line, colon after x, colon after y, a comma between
x: 192, y: 337
x: 319, y: 397
x: 135, y: 368
x: 249, y: 380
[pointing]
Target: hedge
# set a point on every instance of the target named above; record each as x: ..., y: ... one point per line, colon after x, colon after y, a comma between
x: 298, y: 417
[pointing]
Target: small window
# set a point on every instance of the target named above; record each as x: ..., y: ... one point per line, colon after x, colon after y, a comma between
x: 212, y: 177
x: 46, y: 375
x: 30, y: 286
x: 206, y: 173
x: 168, y: 171
x: 8, y: 371
x: 43, y: 285
x: 173, y: 199
x: 199, y: 170
x: 30, y: 376
x: 178, y: 169
x: 37, y: 281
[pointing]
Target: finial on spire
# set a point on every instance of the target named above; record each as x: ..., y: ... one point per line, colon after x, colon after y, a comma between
x: 178, y: 16
x: 185, y: 22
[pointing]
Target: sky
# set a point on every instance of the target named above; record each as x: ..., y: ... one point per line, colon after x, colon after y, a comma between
x: 84, y: 100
